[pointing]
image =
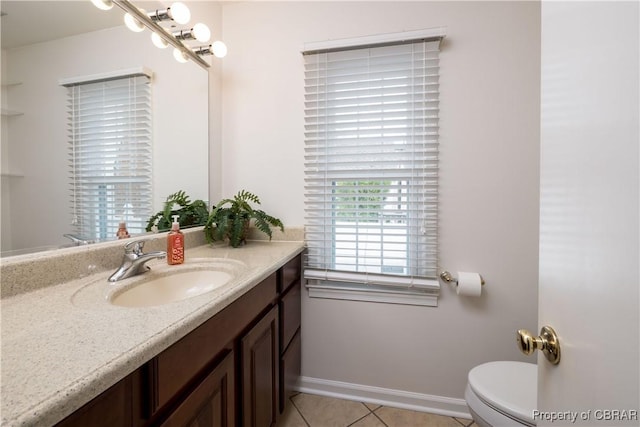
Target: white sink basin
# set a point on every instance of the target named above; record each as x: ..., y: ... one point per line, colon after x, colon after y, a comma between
x: 171, y: 288
x: 163, y: 284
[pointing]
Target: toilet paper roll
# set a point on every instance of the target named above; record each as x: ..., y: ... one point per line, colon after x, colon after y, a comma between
x: 469, y: 284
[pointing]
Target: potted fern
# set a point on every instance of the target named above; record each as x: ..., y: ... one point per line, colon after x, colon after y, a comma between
x: 230, y: 219
x: 189, y: 213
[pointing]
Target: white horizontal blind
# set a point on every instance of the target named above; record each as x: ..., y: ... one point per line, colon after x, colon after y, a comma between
x: 110, y: 155
x: 371, y: 161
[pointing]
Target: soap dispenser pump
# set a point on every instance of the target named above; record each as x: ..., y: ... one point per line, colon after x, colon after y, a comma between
x: 175, y: 244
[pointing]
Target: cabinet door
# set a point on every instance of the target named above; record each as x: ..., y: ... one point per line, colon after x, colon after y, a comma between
x: 260, y: 372
x: 290, y: 370
x: 211, y: 404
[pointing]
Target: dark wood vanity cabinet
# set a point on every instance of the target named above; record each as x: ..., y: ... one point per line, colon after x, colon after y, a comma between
x: 236, y: 369
x: 289, y: 349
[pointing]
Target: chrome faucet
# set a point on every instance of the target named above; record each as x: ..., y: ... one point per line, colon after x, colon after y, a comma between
x: 77, y: 240
x: 134, y: 260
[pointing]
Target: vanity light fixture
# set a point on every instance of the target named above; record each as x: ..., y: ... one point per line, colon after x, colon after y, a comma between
x: 203, y: 50
x: 133, y: 23
x: 199, y: 32
x: 102, y: 4
x: 218, y: 49
x: 180, y: 55
x: 137, y: 20
x: 158, y: 41
x: 178, y: 12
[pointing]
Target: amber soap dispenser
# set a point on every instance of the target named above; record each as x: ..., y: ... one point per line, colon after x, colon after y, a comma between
x: 175, y: 244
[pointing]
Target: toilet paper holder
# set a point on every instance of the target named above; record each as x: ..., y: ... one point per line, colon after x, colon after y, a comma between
x: 448, y: 277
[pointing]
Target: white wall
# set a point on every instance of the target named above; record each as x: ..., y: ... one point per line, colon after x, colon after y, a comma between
x: 489, y: 126
x: 39, y: 205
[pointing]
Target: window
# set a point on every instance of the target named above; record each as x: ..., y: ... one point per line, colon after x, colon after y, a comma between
x: 371, y: 170
x: 110, y: 154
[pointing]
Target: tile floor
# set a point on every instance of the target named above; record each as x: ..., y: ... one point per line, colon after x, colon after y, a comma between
x: 308, y: 410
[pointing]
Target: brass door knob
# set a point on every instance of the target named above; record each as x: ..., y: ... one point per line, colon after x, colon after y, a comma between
x: 547, y: 342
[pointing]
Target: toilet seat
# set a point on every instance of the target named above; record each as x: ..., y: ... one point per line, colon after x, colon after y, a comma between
x: 507, y: 387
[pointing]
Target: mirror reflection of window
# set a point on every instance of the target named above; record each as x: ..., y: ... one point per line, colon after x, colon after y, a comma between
x: 110, y: 150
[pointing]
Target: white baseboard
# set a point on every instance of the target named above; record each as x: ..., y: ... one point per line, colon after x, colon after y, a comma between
x: 384, y: 396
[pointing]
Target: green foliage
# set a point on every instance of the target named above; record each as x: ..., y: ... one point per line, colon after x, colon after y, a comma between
x: 232, y: 221
x: 362, y: 199
x: 189, y: 213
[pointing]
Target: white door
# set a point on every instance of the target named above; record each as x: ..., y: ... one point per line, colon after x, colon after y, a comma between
x: 589, y: 256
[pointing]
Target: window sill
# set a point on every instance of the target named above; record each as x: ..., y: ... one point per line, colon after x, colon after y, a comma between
x: 425, y: 296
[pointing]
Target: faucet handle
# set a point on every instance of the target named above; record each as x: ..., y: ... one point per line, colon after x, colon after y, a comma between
x: 134, y: 247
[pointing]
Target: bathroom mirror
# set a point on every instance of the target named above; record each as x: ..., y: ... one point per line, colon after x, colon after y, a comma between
x: 44, y: 42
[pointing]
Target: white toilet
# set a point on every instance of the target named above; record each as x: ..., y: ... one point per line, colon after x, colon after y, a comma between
x: 502, y: 394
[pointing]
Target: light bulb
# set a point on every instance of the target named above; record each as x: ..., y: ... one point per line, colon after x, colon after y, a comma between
x: 180, y: 13
x: 219, y: 49
x: 102, y: 4
x: 132, y: 23
x: 158, y: 41
x: 179, y: 55
x: 201, y: 32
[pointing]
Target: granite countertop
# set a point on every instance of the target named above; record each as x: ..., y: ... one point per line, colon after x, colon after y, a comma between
x: 63, y: 345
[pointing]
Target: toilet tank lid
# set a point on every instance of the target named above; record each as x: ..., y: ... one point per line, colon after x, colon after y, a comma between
x: 510, y: 387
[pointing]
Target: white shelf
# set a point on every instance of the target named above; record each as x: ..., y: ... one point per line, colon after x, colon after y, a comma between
x: 12, y: 175
x: 7, y: 112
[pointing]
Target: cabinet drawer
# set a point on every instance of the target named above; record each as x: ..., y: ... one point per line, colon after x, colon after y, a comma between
x: 290, y: 369
x: 114, y: 407
x: 290, y: 315
x: 177, y: 367
x: 290, y: 273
